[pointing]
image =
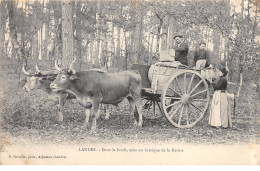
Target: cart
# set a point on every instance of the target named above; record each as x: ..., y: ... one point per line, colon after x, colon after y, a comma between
x: 180, y: 94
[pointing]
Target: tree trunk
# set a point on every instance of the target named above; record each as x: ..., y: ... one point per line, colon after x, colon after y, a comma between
x: 171, y: 32
x: 67, y: 34
x: 208, y: 36
x: 99, y: 26
x: 45, y: 32
x: 151, y: 46
x: 126, y: 51
x: 104, y: 56
x: 240, y: 57
x: 118, y: 44
x: 91, y: 50
x: 78, y: 33
x: 86, y: 52
x: 258, y: 83
x: 138, y: 36
x: 148, y: 48
x: 242, y: 9
x: 255, y: 21
x: 164, y: 33
x: 112, y: 54
x: 216, y: 41
x: 226, y: 53
x: 40, y: 44
x: 52, y: 33
x: 161, y: 19
x: 130, y: 42
x: 35, y: 51
x: 46, y: 41
x: 13, y: 34
x: 2, y: 28
x: 240, y: 84
x: 97, y: 48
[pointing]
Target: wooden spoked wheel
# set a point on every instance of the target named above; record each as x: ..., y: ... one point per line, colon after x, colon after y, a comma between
x: 185, y: 99
x: 151, y: 107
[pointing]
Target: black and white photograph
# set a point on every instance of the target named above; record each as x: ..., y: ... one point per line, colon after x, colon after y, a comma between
x: 115, y: 82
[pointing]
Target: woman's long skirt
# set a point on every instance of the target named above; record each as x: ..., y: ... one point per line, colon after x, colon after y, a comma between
x: 219, y: 111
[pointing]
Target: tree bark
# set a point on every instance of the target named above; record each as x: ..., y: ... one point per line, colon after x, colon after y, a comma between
x: 171, y: 32
x: 46, y: 41
x: 216, y: 42
x: 161, y: 20
x: 164, y: 33
x: 78, y: 33
x: 258, y: 83
x: 40, y: 44
x: 45, y: 33
x: 113, y: 46
x: 2, y: 28
x: 13, y: 34
x: 35, y: 52
x: 118, y: 44
x: 226, y: 53
x: 91, y: 50
x: 67, y: 34
x: 86, y: 52
x: 255, y: 21
x: 240, y: 83
x: 152, y: 42
x: 52, y: 33
x: 138, y: 35
x: 126, y: 51
x: 99, y: 26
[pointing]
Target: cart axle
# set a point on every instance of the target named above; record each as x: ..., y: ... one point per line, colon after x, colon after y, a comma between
x: 185, y: 99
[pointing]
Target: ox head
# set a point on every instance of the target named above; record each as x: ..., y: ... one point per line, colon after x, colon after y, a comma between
x: 34, y: 80
x: 65, y: 78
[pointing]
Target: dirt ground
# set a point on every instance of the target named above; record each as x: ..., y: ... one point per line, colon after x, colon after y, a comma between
x: 32, y: 117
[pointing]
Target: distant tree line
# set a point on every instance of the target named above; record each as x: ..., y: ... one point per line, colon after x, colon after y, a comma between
x: 116, y: 34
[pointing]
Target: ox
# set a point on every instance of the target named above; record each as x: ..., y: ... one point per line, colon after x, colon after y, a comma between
x: 42, y: 80
x: 92, y: 88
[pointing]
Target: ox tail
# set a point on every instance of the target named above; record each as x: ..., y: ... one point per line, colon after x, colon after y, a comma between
x: 139, y: 78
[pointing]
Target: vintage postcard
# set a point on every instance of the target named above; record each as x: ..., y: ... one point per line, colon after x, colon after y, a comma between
x: 139, y: 82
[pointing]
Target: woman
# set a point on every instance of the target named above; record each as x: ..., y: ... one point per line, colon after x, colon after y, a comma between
x: 219, y: 113
x: 201, y: 57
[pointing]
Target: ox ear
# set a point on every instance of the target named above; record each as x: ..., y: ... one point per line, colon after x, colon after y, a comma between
x: 74, y: 77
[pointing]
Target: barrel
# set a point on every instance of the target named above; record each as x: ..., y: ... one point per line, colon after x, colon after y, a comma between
x: 160, y: 73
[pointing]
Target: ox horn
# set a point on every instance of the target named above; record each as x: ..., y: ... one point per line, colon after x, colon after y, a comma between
x: 72, y: 66
x: 57, y: 66
x: 24, y: 71
x: 37, y: 68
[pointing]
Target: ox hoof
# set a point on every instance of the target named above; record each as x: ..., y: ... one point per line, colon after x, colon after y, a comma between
x: 60, y: 119
x: 84, y: 126
x: 76, y: 129
x: 93, y: 131
x: 138, y: 124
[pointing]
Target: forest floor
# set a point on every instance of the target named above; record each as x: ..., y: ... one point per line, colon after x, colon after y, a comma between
x: 32, y: 117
